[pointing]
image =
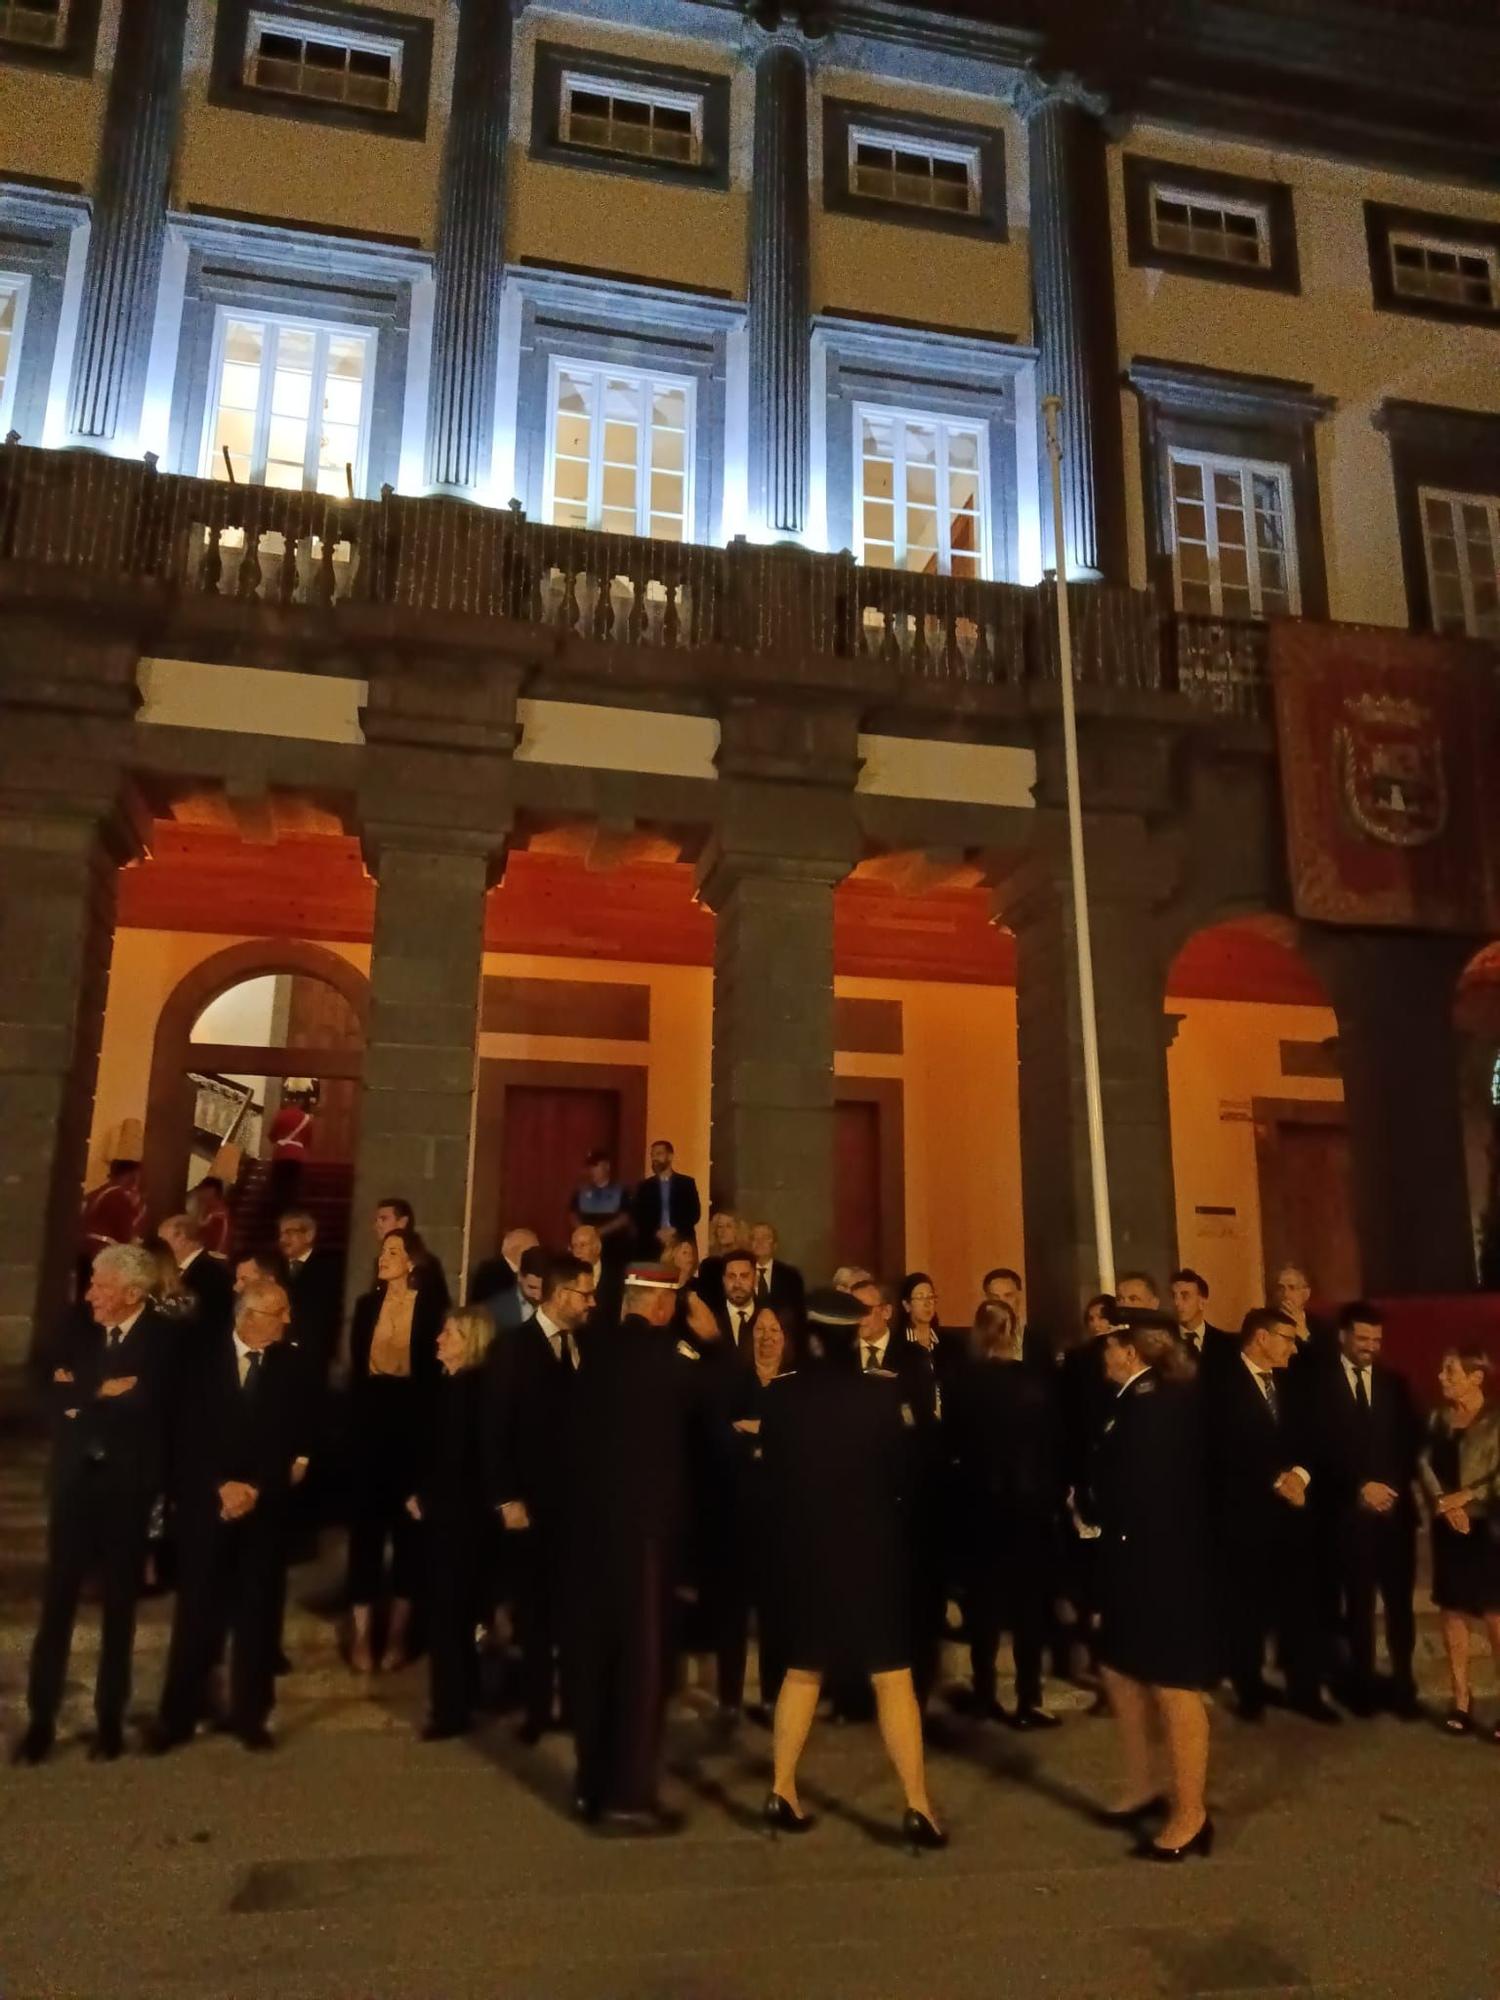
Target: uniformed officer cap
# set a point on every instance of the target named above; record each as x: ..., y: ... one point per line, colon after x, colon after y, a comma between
x: 829, y: 1307
x: 1142, y: 1319
x: 651, y: 1278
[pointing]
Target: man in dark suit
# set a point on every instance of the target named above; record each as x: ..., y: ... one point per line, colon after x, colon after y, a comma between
x: 107, y: 1375
x: 726, y: 1235
x: 1002, y: 1286
x: 205, y: 1277
x: 314, y: 1284
x: 777, y: 1283
x: 1212, y: 1345
x: 529, y: 1387
x: 737, y: 1309
x: 664, y: 1200
x: 1364, y: 1437
x: 1259, y: 1483
x: 1316, y: 1340
x: 513, y: 1308
x: 493, y: 1277
x: 239, y: 1446
x: 1085, y: 1395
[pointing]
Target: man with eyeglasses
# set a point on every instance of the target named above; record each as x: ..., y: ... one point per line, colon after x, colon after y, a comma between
x: 1259, y: 1481
x: 531, y: 1381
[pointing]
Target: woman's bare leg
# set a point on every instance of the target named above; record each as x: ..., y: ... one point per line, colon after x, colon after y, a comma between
x: 900, y: 1722
x: 1456, y: 1644
x: 1130, y: 1705
x: 796, y: 1705
x: 1184, y: 1715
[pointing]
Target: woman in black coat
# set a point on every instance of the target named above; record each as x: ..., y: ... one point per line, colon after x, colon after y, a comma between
x: 1156, y: 1639
x: 1001, y: 1432
x: 458, y: 1524
x: 393, y: 1371
x: 834, y: 1446
x: 771, y: 1352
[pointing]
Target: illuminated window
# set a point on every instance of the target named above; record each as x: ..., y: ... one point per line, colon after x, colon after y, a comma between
x: 619, y: 450
x: 290, y: 407
x: 1461, y: 536
x: 1445, y: 273
x: 1233, y: 553
x: 920, y: 504
x: 1205, y: 225
x: 639, y: 121
x: 914, y: 173
x: 343, y: 66
x: 12, y: 317
x: 38, y: 24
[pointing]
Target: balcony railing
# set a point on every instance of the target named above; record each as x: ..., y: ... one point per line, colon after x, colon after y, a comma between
x: 78, y: 521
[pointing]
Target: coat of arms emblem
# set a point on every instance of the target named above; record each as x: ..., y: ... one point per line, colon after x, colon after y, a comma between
x: 1389, y: 758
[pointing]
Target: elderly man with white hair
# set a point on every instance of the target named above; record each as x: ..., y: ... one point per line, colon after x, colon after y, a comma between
x: 106, y: 1379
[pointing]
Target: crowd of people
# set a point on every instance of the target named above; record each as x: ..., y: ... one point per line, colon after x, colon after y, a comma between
x: 618, y: 1452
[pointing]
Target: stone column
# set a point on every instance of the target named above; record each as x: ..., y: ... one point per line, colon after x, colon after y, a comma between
x: 1073, y: 313
x: 769, y: 875
x: 435, y: 809
x: 128, y: 226
x: 58, y: 869
x: 780, y: 327
x: 470, y: 253
x: 1036, y: 901
x: 1394, y: 995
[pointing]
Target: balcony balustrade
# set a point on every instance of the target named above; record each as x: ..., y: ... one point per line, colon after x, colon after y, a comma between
x: 74, y: 524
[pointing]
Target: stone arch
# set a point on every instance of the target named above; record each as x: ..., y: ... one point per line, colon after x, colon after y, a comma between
x: 168, y: 1117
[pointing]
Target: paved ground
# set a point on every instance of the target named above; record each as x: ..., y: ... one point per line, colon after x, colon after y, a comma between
x: 357, y: 1863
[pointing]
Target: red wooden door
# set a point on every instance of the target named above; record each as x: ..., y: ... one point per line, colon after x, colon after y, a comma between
x: 856, y: 1184
x: 547, y: 1133
x: 1307, y: 1207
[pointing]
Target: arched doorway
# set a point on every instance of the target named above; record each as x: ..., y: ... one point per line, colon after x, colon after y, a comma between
x: 1476, y: 1017
x: 237, y: 1034
x: 1260, y: 1140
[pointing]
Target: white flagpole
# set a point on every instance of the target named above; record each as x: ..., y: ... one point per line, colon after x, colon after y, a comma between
x: 1082, y: 936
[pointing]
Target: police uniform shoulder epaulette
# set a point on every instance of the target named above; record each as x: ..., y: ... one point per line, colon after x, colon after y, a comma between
x: 687, y: 1351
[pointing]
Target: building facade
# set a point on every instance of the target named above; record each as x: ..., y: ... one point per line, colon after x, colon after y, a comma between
x: 534, y: 519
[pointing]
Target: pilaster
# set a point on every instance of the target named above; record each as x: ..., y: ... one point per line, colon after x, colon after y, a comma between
x: 128, y: 225
x: 1073, y: 311
x: 780, y: 453
x: 1394, y: 992
x: 470, y: 252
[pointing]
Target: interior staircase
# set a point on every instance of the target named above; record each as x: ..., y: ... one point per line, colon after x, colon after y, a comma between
x: 325, y: 1190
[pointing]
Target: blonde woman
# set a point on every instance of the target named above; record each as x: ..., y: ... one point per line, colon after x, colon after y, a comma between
x: 449, y: 1502
x: 1460, y: 1468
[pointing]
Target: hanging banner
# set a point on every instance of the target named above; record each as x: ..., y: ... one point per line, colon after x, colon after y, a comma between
x: 1385, y: 738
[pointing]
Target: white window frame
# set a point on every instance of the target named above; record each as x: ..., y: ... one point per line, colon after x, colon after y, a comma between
x: 15, y: 285
x: 967, y: 155
x: 979, y: 427
x: 1450, y: 246
x: 322, y: 331
x: 1258, y: 211
x: 661, y: 96
x: 1211, y: 462
x: 646, y: 379
x: 12, y: 10
x: 349, y: 39
x: 1490, y: 502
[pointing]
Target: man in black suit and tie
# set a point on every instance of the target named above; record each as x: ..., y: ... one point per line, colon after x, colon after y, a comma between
x: 513, y: 1308
x: 777, y: 1283
x: 664, y: 1200
x: 1364, y: 1437
x: 239, y: 1446
x: 314, y: 1283
x: 106, y: 1376
x: 1212, y: 1345
x: 528, y: 1391
x: 1259, y: 1485
x: 205, y: 1277
x: 736, y: 1315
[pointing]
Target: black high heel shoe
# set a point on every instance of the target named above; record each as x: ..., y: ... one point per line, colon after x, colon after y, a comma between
x: 1131, y: 1818
x: 778, y: 1817
x: 1202, y: 1843
x: 918, y: 1831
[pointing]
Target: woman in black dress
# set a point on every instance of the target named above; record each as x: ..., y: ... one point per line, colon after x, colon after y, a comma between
x: 1460, y: 1469
x: 834, y: 1444
x: 771, y: 1352
x: 393, y: 1371
x: 450, y: 1504
x: 1155, y: 1641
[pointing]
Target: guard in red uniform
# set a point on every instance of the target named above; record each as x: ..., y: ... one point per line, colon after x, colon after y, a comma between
x: 114, y: 1212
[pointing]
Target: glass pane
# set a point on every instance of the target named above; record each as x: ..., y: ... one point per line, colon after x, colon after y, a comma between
x: 570, y: 480
x: 619, y: 486
x: 1230, y: 523
x: 239, y: 386
x: 619, y: 521
x: 622, y: 399
x: 1187, y: 480
x: 243, y: 341
x: 921, y: 485
x: 879, y: 521
x: 921, y: 444
x: 880, y: 555
x: 668, y: 450
x: 620, y: 444
x: 666, y: 493
x: 668, y: 408
x: 666, y: 527
x: 963, y: 451
x: 288, y: 439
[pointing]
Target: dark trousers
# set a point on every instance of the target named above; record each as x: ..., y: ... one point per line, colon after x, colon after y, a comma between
x: 1268, y: 1590
x: 93, y: 1526
x: 535, y: 1561
x: 231, y: 1591
x: 1012, y: 1594
x: 726, y: 1618
x: 1373, y: 1555
x: 381, y: 1482
x: 454, y: 1604
x: 618, y: 1659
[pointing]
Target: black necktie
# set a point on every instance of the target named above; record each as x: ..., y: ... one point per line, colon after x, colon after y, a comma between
x: 252, y: 1368
x: 1361, y: 1393
x: 743, y: 1316
x: 115, y: 1336
x: 762, y: 1286
x: 1272, y: 1401
x: 872, y: 1357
